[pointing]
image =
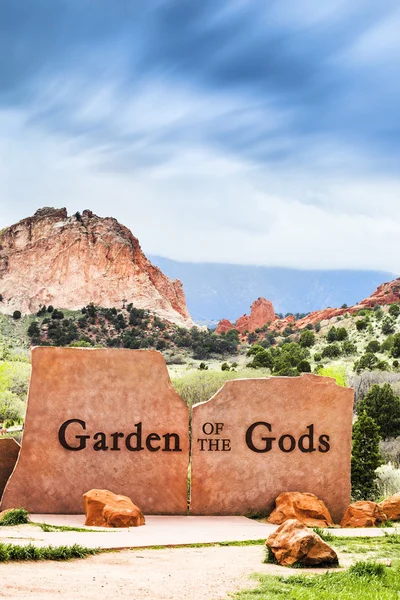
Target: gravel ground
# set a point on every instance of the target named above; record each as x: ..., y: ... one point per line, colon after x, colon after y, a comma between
x: 209, y: 573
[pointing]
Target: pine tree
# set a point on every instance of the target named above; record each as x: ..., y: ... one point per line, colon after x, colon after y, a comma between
x: 365, y: 458
x: 383, y: 406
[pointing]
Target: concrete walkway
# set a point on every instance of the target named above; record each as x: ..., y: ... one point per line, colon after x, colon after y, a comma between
x: 158, y: 531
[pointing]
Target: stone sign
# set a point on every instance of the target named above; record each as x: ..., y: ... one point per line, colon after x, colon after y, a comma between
x: 257, y: 438
x: 101, y: 418
x: 9, y: 450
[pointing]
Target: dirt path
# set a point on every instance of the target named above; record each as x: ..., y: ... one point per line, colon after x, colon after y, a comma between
x: 181, y: 573
x: 171, y: 574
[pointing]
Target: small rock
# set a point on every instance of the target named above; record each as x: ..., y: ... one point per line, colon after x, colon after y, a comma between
x: 384, y: 561
x: 294, y: 543
x: 363, y: 514
x: 306, y: 508
x: 105, y: 509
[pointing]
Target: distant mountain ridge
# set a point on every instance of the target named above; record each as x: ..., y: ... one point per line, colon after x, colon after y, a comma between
x: 214, y: 291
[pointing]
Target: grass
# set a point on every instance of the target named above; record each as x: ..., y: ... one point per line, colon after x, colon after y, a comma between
x: 363, y: 580
x: 14, y: 516
x: 13, y: 552
x: 57, y: 528
x: 324, y: 535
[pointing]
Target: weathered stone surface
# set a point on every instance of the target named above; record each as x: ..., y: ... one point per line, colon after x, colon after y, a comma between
x: 306, y: 508
x: 125, y: 392
x: 106, y: 509
x: 391, y: 507
x: 363, y: 514
x: 261, y: 312
x: 53, y: 258
x: 224, y: 326
x: 9, y: 450
x: 236, y: 479
x: 293, y: 543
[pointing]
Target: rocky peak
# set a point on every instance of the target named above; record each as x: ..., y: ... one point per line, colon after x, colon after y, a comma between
x: 70, y: 261
x: 261, y: 312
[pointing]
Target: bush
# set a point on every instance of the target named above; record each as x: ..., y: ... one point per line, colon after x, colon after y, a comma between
x: 395, y: 351
x: 34, y: 330
x: 307, y: 339
x: 337, y: 373
x: 331, y: 335
x: 317, y: 326
x: 50, y: 309
x: 304, y: 366
x: 348, y: 348
x: 341, y: 334
x: 332, y: 351
x: 361, y: 324
x: 388, y: 480
x: 11, y: 406
x: 17, y: 314
x: 365, y: 458
x: 367, y: 362
x: 383, y: 406
x: 225, y: 367
x: 200, y: 386
x: 387, y: 326
x: 14, y: 516
x: 317, y: 357
x: 373, y: 346
x: 262, y: 360
x: 203, y: 366
x: 394, y: 310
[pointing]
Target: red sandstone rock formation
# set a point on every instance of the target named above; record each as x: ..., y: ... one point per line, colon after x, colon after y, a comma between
x: 363, y: 514
x: 305, y: 507
x: 105, y: 509
x: 294, y: 543
x: 262, y: 312
x: 51, y: 258
x: 391, y: 507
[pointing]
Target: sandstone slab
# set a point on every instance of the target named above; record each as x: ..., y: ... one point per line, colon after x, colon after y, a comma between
x: 9, y: 450
x: 306, y: 508
x: 294, y: 543
x: 101, y: 419
x: 391, y: 507
x: 257, y: 438
x: 363, y: 514
x: 105, y: 509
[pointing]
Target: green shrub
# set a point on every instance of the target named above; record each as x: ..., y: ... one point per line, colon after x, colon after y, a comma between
x: 341, y: 334
x: 367, y: 362
x: 11, y: 406
x: 395, y: 351
x: 373, y: 346
x: 17, y: 314
x: 383, y: 406
x: 304, y: 366
x: 338, y: 373
x: 317, y: 357
x: 394, y: 310
x: 348, y: 348
x: 387, y: 326
x: 367, y: 569
x: 14, y: 516
x: 307, y: 339
x: 331, y: 351
x: 10, y: 552
x: 365, y: 458
x: 361, y: 324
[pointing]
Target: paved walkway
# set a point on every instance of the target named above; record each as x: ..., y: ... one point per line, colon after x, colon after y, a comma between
x: 158, y: 531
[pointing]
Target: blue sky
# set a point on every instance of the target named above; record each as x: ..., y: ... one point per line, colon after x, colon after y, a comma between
x: 247, y: 132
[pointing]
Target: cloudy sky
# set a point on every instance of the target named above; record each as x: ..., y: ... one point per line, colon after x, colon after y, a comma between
x: 240, y: 131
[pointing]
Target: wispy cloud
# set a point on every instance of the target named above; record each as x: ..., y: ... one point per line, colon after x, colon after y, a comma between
x: 216, y: 131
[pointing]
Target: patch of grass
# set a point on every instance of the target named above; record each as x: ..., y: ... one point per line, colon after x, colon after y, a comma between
x: 364, y: 580
x: 11, y: 552
x: 57, y: 528
x: 324, y: 535
x: 14, y: 516
x: 269, y: 556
